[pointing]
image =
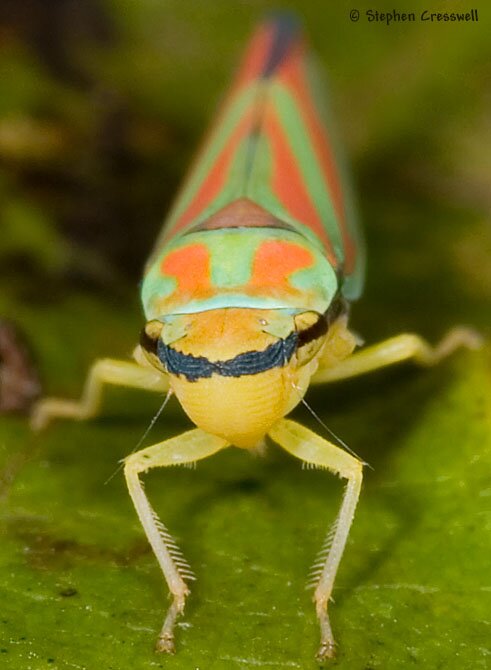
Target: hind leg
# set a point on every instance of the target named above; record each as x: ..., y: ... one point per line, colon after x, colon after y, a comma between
x: 104, y: 372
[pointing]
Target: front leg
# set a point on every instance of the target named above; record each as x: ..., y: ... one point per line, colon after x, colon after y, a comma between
x: 103, y: 372
x: 404, y: 347
x: 311, y: 448
x: 186, y: 448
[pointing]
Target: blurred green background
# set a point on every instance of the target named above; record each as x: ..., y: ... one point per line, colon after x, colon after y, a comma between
x: 102, y: 105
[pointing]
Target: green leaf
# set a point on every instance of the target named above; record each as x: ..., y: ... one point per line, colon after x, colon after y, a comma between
x: 80, y: 587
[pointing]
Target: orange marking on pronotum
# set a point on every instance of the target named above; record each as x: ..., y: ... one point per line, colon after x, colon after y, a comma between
x: 190, y: 265
x: 274, y: 262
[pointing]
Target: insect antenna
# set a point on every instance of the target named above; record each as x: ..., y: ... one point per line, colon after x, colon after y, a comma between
x: 148, y: 429
x: 341, y: 443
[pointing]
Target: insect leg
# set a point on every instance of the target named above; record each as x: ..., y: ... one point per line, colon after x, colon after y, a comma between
x: 310, y: 448
x: 404, y: 347
x: 103, y: 372
x: 185, y: 448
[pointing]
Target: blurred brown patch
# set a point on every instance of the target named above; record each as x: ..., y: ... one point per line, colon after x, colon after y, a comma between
x: 19, y: 381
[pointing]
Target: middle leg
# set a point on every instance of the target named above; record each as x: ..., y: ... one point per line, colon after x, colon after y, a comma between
x: 397, y: 349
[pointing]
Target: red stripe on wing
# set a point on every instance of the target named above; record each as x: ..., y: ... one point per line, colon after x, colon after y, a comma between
x: 288, y: 184
x: 216, y: 177
x: 293, y: 76
x: 255, y: 56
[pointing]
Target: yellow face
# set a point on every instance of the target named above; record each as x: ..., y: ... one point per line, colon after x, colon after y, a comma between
x: 237, y: 371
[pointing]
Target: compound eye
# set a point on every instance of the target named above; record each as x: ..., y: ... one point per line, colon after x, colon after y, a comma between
x: 311, y: 328
x: 149, y: 338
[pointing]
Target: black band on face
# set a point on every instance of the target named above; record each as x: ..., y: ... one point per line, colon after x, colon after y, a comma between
x: 148, y: 343
x: 315, y: 331
x: 337, y: 308
x: 193, y: 368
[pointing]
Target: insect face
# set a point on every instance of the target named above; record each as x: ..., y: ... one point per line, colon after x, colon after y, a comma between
x: 237, y: 371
